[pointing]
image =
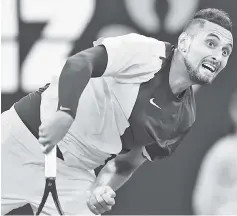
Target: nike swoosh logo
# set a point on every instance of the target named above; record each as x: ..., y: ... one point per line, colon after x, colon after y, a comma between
x: 64, y: 108
x: 153, y: 103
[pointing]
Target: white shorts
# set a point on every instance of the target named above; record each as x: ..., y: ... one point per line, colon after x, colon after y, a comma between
x: 23, y: 178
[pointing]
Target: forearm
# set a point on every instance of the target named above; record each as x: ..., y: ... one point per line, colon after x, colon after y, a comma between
x: 113, y: 176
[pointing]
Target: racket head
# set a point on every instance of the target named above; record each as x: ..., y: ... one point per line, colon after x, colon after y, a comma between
x: 50, y: 187
x: 50, y: 183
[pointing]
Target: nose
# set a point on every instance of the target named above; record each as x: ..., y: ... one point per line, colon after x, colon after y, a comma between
x: 216, y: 60
x: 217, y: 57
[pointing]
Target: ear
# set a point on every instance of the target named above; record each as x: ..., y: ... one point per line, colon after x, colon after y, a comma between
x: 184, y: 42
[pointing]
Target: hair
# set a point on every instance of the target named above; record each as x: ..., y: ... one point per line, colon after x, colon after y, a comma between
x: 213, y: 15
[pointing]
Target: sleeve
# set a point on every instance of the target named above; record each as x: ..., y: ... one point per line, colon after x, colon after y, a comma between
x: 132, y: 58
x: 164, y: 149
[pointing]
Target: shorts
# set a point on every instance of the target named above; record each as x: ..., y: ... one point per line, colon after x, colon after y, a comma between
x: 23, y: 178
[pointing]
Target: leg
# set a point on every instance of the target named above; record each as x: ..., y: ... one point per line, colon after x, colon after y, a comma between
x: 16, y: 175
x: 23, y: 173
x: 72, y: 186
x: 10, y: 177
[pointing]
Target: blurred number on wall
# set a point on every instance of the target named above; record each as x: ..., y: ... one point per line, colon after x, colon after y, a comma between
x: 63, y: 24
x: 9, y: 50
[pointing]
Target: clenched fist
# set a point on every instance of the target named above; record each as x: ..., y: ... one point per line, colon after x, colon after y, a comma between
x: 53, y: 130
x: 101, y: 199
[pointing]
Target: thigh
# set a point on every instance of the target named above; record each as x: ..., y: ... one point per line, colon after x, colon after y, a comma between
x: 16, y: 176
x: 21, y: 174
x: 24, y: 180
x: 23, y: 177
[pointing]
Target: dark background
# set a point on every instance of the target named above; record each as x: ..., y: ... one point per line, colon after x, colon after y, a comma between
x: 162, y: 187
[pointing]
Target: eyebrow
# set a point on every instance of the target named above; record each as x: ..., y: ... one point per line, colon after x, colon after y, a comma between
x: 216, y: 36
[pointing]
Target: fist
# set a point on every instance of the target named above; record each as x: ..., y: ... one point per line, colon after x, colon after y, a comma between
x: 101, y: 199
x: 53, y: 130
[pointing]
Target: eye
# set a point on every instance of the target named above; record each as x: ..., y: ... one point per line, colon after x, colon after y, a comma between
x: 211, y: 44
x: 225, y: 52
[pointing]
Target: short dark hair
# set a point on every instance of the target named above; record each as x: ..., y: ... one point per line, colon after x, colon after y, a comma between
x: 213, y: 15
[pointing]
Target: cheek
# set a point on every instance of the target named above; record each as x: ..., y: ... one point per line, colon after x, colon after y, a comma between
x: 200, y: 49
x: 223, y: 64
x: 194, y: 58
x: 196, y: 53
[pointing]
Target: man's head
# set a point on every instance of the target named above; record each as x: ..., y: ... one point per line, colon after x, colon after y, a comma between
x: 206, y: 44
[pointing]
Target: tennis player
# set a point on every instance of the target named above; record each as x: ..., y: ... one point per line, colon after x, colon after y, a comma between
x: 216, y: 187
x: 129, y: 96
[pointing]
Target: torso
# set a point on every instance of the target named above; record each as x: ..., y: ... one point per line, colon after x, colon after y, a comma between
x: 113, y: 115
x: 158, y: 116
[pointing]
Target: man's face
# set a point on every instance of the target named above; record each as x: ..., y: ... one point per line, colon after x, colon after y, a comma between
x: 208, y: 53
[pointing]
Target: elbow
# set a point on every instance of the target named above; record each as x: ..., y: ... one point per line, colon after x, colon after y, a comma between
x: 77, y: 67
x: 72, y: 62
x: 79, y: 60
x: 120, y: 167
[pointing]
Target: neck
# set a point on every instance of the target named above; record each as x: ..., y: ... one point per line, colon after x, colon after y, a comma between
x: 178, y: 77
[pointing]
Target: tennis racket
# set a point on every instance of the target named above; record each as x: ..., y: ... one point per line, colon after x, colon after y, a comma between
x: 50, y: 184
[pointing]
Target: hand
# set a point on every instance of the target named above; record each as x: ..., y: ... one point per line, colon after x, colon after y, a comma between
x: 101, y: 199
x: 52, y: 131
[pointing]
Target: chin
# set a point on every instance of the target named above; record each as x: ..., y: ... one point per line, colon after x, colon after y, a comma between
x: 202, y: 80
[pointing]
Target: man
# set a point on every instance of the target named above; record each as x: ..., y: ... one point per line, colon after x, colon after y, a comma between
x: 216, y: 187
x: 135, y: 97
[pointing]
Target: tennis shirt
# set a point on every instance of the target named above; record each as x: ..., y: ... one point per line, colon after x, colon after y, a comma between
x: 130, y: 105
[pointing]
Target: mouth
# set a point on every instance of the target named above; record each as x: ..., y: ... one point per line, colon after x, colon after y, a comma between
x: 209, y: 67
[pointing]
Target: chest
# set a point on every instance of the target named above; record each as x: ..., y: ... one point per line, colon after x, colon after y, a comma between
x: 157, y: 116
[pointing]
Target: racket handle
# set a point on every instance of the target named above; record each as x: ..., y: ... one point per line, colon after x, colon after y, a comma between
x: 50, y: 163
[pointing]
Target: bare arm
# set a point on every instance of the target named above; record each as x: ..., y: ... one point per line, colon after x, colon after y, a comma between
x: 114, y: 174
x: 117, y: 171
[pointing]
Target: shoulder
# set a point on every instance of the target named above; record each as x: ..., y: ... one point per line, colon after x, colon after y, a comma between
x: 134, y: 41
x: 133, y: 58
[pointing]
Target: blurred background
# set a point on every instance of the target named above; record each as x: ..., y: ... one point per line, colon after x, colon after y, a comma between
x: 38, y: 35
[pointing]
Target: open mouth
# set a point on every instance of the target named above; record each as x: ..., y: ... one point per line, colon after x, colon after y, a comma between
x: 209, y: 67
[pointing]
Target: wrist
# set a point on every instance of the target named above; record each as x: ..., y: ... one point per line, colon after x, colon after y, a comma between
x: 64, y: 117
x: 67, y: 111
